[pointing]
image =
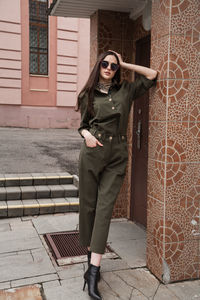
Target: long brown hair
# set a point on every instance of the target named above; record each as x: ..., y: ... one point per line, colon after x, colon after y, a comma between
x: 93, y: 80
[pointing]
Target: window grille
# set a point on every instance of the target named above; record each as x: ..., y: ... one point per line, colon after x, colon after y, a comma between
x: 38, y: 37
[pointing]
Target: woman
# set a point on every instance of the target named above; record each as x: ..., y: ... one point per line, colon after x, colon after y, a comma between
x: 105, y: 103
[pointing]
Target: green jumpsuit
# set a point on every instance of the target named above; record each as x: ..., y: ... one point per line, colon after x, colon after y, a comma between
x: 102, y: 168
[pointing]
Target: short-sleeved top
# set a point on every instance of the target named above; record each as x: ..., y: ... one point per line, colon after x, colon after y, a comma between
x: 111, y: 110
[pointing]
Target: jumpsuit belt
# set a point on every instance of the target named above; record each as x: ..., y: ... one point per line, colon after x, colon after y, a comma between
x: 109, y: 137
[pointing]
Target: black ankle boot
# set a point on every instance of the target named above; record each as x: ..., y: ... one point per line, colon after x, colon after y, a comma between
x: 90, y: 277
x: 89, y: 259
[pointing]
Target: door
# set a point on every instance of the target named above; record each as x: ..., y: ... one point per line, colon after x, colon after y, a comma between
x: 140, y: 143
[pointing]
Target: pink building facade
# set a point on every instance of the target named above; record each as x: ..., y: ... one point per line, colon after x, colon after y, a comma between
x: 41, y: 101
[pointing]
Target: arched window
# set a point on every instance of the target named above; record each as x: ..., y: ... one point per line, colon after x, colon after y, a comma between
x: 38, y: 37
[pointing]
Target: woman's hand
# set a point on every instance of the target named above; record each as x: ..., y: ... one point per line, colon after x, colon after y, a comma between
x: 148, y: 72
x: 90, y: 140
x: 119, y: 56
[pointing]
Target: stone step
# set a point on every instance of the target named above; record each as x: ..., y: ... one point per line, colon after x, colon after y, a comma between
x: 29, y: 207
x: 37, y: 191
x: 32, y: 179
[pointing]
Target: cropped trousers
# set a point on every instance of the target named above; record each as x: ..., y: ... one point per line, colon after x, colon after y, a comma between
x: 101, y: 173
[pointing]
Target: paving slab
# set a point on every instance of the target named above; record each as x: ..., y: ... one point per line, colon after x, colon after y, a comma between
x: 108, y: 265
x: 54, y: 223
x: 133, y: 252
x: 25, y: 293
x: 107, y: 292
x: 124, y: 231
x: 22, y: 236
x: 187, y: 290
x: 34, y: 280
x: 141, y: 280
x: 5, y: 227
x: 71, y: 271
x: 5, y: 285
x: 70, y: 289
x: 117, y: 285
x: 18, y: 266
x: 12, y: 220
x: 51, y: 284
x: 163, y: 293
x: 137, y: 295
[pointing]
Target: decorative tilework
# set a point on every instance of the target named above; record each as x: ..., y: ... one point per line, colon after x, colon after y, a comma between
x: 185, y: 261
x: 160, y: 19
x: 157, y: 131
x: 157, y: 55
x: 154, y: 261
x: 157, y: 106
x: 155, y: 188
x: 155, y: 212
x: 182, y: 258
x: 184, y: 16
x: 187, y: 54
x: 181, y: 63
x: 172, y: 154
x: 178, y: 190
x: 173, y: 207
x: 177, y: 131
x: 182, y: 218
x: 182, y: 106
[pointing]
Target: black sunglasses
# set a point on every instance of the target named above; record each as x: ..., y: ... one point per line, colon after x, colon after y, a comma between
x: 113, y: 66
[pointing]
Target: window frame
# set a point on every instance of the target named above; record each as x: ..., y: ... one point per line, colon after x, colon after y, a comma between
x: 39, y: 25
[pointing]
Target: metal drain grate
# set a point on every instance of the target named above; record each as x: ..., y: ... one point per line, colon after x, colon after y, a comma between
x: 66, y: 249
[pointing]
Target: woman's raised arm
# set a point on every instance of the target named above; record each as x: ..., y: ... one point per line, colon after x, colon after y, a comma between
x: 147, y: 72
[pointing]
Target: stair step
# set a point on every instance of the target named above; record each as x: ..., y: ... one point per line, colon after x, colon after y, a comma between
x: 19, y: 208
x: 27, y: 179
x: 39, y: 191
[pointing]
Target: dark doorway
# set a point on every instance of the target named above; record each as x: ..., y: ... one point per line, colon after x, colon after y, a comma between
x: 140, y: 142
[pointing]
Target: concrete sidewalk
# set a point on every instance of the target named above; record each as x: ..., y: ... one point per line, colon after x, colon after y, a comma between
x: 28, y: 271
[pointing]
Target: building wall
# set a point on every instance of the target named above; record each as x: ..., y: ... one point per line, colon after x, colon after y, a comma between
x: 36, y: 101
x: 10, y: 53
x: 173, y: 236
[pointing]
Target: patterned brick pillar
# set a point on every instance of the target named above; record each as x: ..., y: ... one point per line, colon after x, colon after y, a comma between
x: 173, y: 239
x: 114, y: 30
